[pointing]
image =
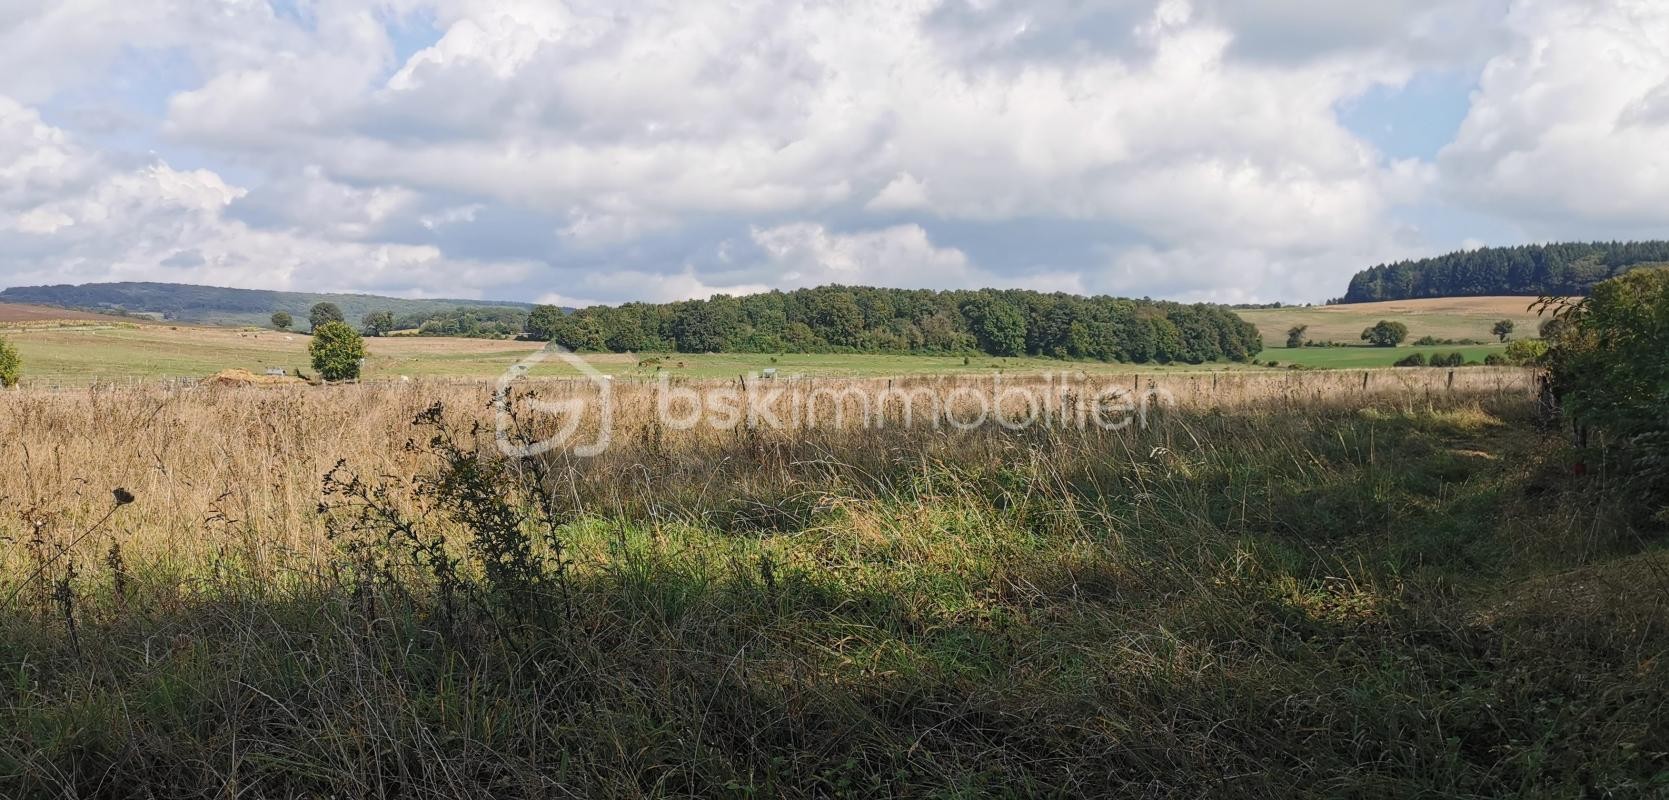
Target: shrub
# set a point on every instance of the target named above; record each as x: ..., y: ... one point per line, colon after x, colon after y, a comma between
x: 1385, y: 334
x: 11, y: 364
x: 337, y: 350
x: 282, y: 320
x: 1413, y: 360
x: 1526, y: 352
x: 1495, y: 360
x: 1610, y: 370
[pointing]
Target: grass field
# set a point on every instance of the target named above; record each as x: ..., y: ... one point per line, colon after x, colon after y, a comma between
x: 1288, y: 585
x: 77, y: 353
x: 1443, y: 318
x: 1369, y: 357
x: 78, y: 356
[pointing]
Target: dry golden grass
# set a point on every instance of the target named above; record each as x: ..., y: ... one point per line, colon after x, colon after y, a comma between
x: 1443, y: 318
x: 224, y: 468
x: 1286, y: 597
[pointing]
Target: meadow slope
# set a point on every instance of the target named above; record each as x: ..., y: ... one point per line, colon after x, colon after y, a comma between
x: 75, y: 351
x: 1443, y: 318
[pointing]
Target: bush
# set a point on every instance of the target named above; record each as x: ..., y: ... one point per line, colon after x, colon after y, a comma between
x: 1413, y: 360
x: 1433, y: 341
x: 1526, y: 352
x: 282, y: 320
x: 1495, y: 360
x: 1385, y: 334
x: 337, y: 350
x: 1610, y: 371
x: 11, y: 364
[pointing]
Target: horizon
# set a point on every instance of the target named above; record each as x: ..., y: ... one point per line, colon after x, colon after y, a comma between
x: 501, y: 300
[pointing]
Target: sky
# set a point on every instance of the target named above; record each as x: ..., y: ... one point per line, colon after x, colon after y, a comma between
x: 593, y: 151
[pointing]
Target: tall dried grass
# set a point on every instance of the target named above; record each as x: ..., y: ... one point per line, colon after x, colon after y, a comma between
x: 222, y: 471
x: 1294, y: 584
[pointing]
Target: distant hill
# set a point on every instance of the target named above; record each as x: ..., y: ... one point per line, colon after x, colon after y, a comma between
x: 221, y: 306
x: 1558, y: 269
x: 15, y: 314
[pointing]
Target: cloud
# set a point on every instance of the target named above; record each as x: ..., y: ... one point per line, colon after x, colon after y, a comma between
x: 591, y: 150
x: 808, y: 254
x: 72, y: 215
x: 805, y: 254
x: 782, y: 108
x: 1568, y: 129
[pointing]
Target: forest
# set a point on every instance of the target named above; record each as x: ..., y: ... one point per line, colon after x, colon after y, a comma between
x: 471, y: 322
x: 863, y: 319
x: 1551, y: 269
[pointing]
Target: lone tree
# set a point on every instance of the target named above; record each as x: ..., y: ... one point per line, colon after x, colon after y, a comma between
x: 378, y: 323
x: 322, y: 314
x: 11, y: 365
x: 1295, y: 335
x: 1502, y: 329
x: 1385, y: 334
x: 282, y: 320
x: 337, y: 350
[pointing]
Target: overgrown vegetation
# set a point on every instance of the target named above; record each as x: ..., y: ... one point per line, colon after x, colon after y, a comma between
x: 1402, y: 593
x: 11, y: 364
x: 1552, y: 269
x: 867, y: 319
x: 1609, y: 367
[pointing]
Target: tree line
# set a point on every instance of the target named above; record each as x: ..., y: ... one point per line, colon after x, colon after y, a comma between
x: 1552, y: 269
x: 873, y: 320
x: 472, y: 322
